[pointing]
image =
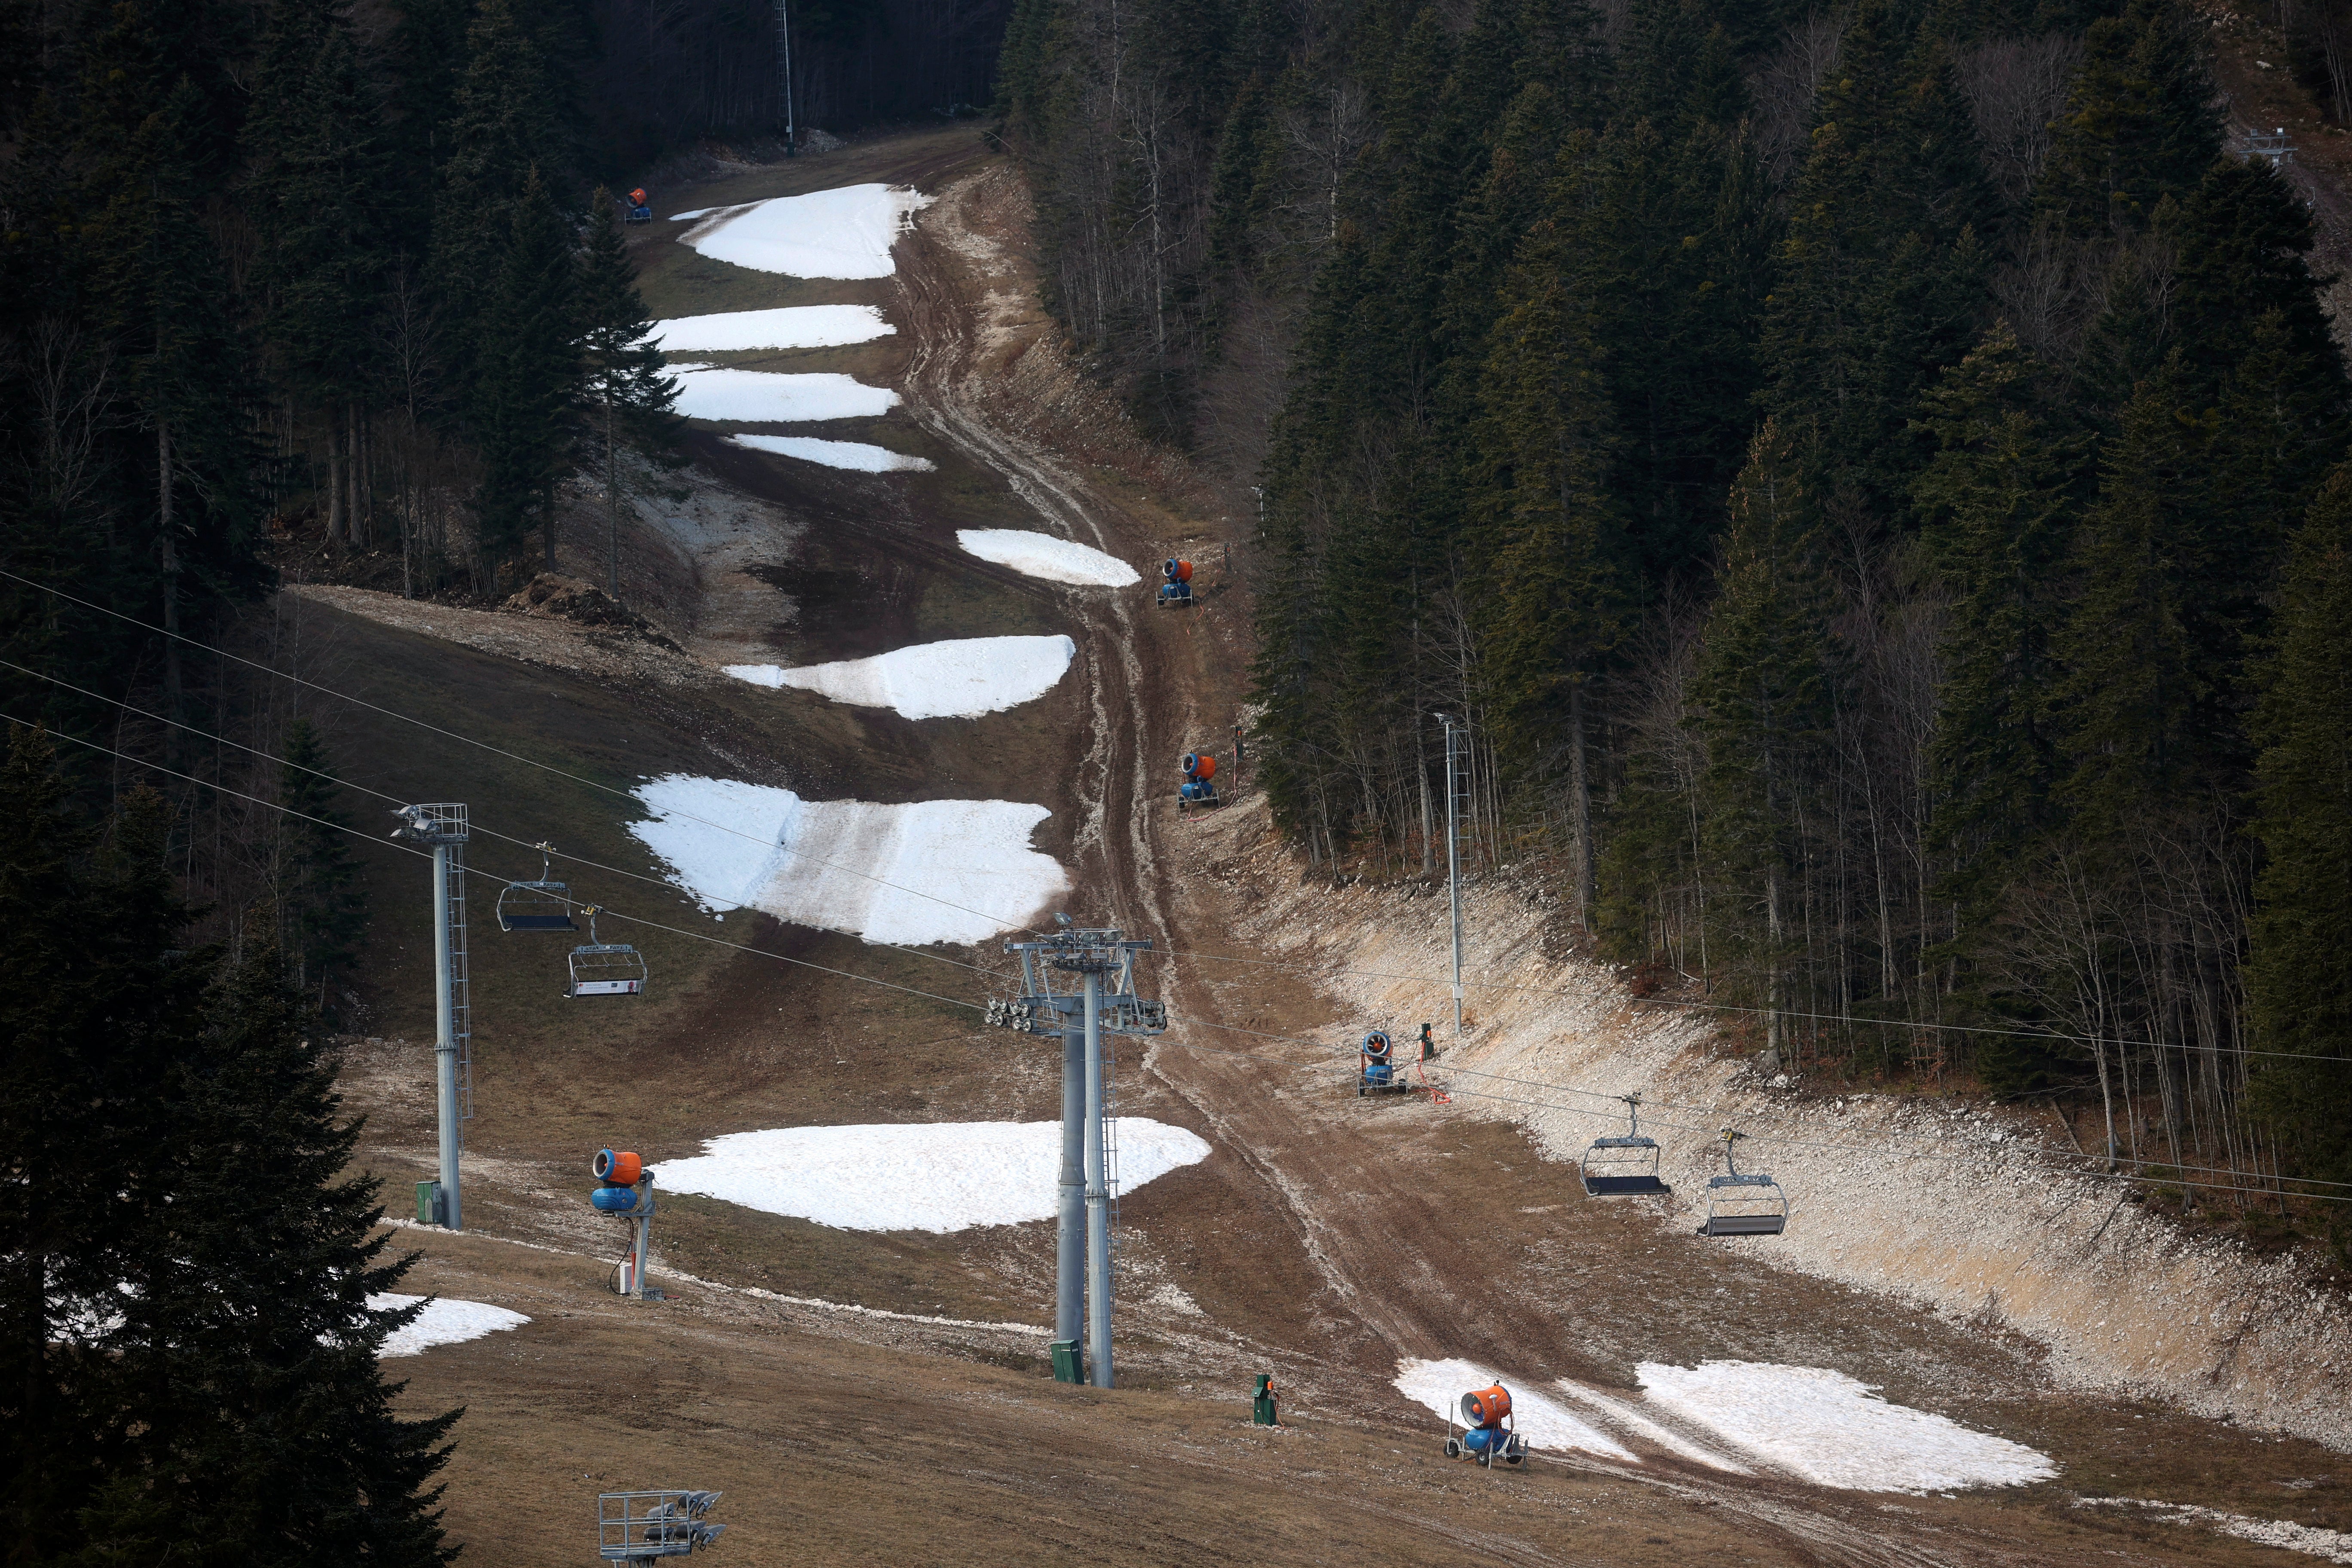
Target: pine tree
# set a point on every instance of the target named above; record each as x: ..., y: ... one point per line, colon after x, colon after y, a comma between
x: 278, y: 1430
x: 504, y: 116
x: 628, y: 401
x: 165, y: 296
x: 1999, y: 505
x: 2141, y: 694
x: 317, y: 190
x: 2299, y: 970
x: 321, y: 908
x: 2139, y: 123
x: 1550, y: 529
x: 1765, y: 692
x: 527, y: 365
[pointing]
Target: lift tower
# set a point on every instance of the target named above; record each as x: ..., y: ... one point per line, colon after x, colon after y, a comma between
x: 1100, y: 1003
x: 443, y: 828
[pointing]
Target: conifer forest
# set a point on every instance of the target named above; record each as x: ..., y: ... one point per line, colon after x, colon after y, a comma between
x: 1869, y: 476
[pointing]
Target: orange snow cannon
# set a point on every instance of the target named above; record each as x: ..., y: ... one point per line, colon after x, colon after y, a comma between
x: 618, y: 1167
x: 1485, y: 1406
x: 640, y: 207
x: 1487, y: 1433
x: 1176, y: 584
x: 1200, y: 769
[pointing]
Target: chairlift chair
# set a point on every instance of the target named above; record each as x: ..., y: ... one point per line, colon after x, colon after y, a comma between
x: 543, y: 905
x: 605, y: 968
x: 1615, y: 1167
x: 1743, y: 1204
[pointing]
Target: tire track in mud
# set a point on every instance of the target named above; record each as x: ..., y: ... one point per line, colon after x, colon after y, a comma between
x: 1382, y: 1247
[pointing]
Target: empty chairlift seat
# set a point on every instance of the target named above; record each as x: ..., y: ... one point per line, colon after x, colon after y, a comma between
x: 543, y: 905
x: 605, y: 968
x: 1743, y: 1204
x: 1625, y: 1166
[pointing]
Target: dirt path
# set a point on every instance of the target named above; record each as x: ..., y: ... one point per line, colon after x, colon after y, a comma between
x: 1404, y: 1246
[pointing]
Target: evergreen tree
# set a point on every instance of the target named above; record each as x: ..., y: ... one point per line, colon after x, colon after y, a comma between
x: 317, y: 190
x: 629, y: 402
x: 2139, y: 123
x: 527, y: 377
x: 1765, y: 693
x: 274, y: 1428
x: 321, y: 908
x: 1549, y: 527
x: 1999, y: 504
x: 504, y: 116
x: 2299, y: 970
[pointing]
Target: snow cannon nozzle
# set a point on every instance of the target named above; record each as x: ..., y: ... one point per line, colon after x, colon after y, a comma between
x: 618, y: 1167
x: 1376, y: 1045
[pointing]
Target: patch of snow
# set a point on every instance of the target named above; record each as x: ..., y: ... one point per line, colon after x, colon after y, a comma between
x: 1440, y: 1385
x: 843, y: 233
x: 859, y: 456
x: 959, y: 680
x: 443, y: 1322
x: 2333, y: 1545
x: 699, y: 212
x: 764, y: 397
x: 936, y: 871
x: 787, y: 327
x: 1035, y: 554
x: 1628, y: 1415
x: 1834, y: 1431
x: 936, y: 1176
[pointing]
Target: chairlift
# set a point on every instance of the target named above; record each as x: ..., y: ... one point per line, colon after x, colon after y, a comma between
x: 1743, y: 1204
x: 605, y: 968
x: 543, y: 905
x: 1617, y: 1166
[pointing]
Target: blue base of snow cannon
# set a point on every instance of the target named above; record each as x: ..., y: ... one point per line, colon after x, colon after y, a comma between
x: 1379, y: 1076
x: 615, y: 1200
x: 1176, y: 593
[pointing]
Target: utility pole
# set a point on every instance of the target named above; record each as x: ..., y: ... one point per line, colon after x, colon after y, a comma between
x: 1103, y: 1006
x: 784, y: 54
x: 1453, y: 862
x: 443, y: 829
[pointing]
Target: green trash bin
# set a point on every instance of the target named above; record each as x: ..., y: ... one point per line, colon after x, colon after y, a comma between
x: 1066, y: 1365
x: 428, y: 1203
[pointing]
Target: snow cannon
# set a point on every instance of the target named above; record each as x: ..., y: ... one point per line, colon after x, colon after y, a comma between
x: 1376, y: 1067
x: 618, y: 1172
x: 640, y: 207
x: 1488, y: 1432
x: 1176, y: 587
x: 1200, y: 786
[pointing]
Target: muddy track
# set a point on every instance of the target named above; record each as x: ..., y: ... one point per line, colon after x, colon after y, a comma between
x: 1379, y: 1238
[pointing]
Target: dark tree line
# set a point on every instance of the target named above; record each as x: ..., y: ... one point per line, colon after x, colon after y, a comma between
x: 1865, y: 474
x: 190, y: 1348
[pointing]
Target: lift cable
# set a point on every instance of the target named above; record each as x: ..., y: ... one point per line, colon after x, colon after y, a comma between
x: 1220, y: 958
x: 957, y: 1002
x: 495, y: 751
x: 476, y: 826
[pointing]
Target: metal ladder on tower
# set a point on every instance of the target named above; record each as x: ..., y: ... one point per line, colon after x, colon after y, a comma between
x: 460, y: 1001
x: 1110, y: 1139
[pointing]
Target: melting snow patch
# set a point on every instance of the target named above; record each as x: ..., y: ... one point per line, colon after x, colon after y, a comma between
x: 961, y: 679
x: 1043, y: 555
x: 1440, y: 1385
x: 790, y: 327
x: 763, y: 397
x: 1835, y: 1432
x: 443, y: 1322
x: 843, y: 233
x: 937, y: 870
x: 858, y: 455
x: 934, y: 1176
x: 2333, y: 1545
